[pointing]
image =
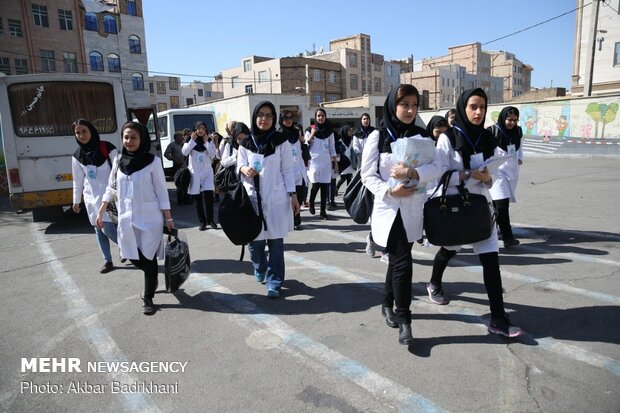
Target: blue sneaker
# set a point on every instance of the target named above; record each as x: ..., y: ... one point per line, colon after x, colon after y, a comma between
x: 273, y: 293
x: 260, y: 277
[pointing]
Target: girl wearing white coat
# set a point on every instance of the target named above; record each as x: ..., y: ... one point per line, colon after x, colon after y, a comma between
x: 288, y: 129
x: 91, y: 170
x: 508, y: 136
x: 397, y: 212
x: 266, y: 163
x: 201, y: 152
x: 143, y: 206
x: 462, y: 148
x: 322, y: 145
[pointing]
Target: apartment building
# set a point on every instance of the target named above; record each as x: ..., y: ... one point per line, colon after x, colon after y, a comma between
x: 596, y: 50
x: 165, y: 92
x: 317, y: 78
x: 516, y: 74
x: 76, y: 36
x: 198, y: 92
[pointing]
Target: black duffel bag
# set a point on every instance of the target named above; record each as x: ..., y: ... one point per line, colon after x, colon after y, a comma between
x: 458, y: 219
x: 358, y: 200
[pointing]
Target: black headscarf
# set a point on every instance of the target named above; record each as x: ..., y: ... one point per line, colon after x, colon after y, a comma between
x: 134, y: 161
x: 397, y: 128
x: 290, y: 132
x: 325, y: 129
x: 435, y: 122
x: 263, y: 142
x: 363, y: 132
x: 200, y: 142
x: 504, y: 135
x: 344, y: 135
x: 89, y: 153
x: 468, y: 138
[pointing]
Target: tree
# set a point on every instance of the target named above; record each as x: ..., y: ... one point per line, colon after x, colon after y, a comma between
x: 603, y: 113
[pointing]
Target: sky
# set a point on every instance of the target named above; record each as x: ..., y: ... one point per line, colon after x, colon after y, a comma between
x: 197, y: 39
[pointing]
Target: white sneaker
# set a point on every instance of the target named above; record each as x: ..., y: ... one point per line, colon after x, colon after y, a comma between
x: 370, y: 250
x: 385, y: 258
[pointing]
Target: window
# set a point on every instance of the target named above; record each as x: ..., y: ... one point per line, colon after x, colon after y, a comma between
x: 48, y: 63
x: 132, y: 10
x: 90, y: 21
x: 134, y: 44
x: 388, y: 70
x: 364, y: 85
x: 333, y: 98
x: 66, y: 19
x: 617, y: 54
x: 332, y: 76
x: 15, y: 28
x: 173, y: 83
x: 1, y: 26
x: 377, y: 85
x: 354, y: 82
x: 161, y: 107
x: 151, y: 88
x: 247, y: 65
x: 21, y: 66
x: 318, y: 99
x: 353, y: 59
x: 137, y: 81
x: 5, y: 66
x: 114, y: 63
x: 174, y: 102
x: 161, y: 88
x: 208, y: 94
x: 199, y: 92
x: 248, y: 89
x: 234, y: 81
x: 39, y: 14
x: 262, y: 76
x: 317, y: 75
x: 189, y: 101
x: 96, y: 61
x: 70, y: 62
x: 109, y: 24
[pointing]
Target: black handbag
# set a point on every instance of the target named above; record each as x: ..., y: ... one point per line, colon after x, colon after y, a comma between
x: 182, y: 178
x: 458, y: 219
x: 226, y: 179
x: 176, y: 263
x: 111, y: 209
x: 358, y: 200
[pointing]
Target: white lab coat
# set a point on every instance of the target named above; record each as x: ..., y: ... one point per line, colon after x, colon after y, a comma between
x: 277, y: 179
x: 321, y: 152
x: 505, y: 183
x: 200, y: 166
x: 91, y: 189
x: 301, y: 174
x: 141, y: 198
x: 386, y: 207
x: 452, y: 160
x: 228, y: 158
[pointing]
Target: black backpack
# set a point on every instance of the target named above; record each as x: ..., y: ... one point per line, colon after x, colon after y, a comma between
x: 182, y: 178
x: 239, y: 220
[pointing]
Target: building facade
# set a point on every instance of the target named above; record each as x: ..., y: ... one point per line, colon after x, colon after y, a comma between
x: 596, y: 50
x: 198, y: 92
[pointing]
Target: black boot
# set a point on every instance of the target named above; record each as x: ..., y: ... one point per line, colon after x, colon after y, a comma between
x: 404, y: 334
x: 389, y: 316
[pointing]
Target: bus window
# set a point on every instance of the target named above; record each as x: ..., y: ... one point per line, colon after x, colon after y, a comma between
x: 162, y: 122
x: 187, y: 121
x: 49, y: 108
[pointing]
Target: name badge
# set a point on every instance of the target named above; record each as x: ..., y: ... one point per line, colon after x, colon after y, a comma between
x: 476, y: 161
x: 325, y: 146
x: 511, y: 149
x: 91, y: 172
x: 256, y: 161
x: 294, y: 153
x: 201, y: 158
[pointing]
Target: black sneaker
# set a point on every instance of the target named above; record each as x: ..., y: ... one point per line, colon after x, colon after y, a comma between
x: 435, y: 294
x: 148, y: 308
x: 502, y: 326
x: 511, y: 242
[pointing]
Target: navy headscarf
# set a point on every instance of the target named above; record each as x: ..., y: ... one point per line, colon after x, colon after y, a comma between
x: 263, y: 142
x: 89, y: 153
x: 323, y: 130
x: 435, y: 122
x: 395, y: 126
x: 507, y: 136
x: 134, y: 161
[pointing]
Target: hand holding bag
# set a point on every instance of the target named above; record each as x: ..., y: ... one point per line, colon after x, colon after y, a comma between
x: 176, y: 263
x: 458, y: 219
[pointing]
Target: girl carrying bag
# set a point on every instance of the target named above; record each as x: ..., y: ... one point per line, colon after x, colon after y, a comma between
x: 358, y: 200
x: 458, y: 219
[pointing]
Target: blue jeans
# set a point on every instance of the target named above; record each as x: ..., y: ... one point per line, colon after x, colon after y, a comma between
x: 104, y: 235
x: 272, y: 266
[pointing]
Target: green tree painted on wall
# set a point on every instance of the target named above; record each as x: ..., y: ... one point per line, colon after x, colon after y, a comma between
x: 602, y: 113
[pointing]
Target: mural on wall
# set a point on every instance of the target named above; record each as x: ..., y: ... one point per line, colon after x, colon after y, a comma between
x: 601, y: 113
x: 528, y: 119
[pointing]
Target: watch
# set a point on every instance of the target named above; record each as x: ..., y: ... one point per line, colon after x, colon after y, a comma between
x: 466, y: 174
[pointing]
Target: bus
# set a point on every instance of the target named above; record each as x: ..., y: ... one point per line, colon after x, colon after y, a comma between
x: 175, y: 120
x: 36, y: 114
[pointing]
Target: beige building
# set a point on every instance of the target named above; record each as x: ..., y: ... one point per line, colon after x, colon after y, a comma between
x: 316, y: 78
x: 198, y: 92
x: 76, y: 36
x: 516, y: 74
x: 596, y: 52
x: 164, y: 92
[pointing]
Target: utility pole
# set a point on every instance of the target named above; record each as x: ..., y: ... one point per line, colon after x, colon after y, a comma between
x: 587, y: 84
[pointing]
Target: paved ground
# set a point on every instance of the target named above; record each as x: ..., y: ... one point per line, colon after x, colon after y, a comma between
x: 324, y: 347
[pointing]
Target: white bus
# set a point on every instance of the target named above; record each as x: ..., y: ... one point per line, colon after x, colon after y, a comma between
x: 175, y: 120
x: 36, y: 113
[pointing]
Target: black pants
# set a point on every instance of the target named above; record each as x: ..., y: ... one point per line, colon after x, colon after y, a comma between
x: 151, y: 271
x: 324, y: 190
x: 490, y: 272
x: 343, y: 178
x: 397, y: 288
x: 332, y: 191
x: 204, y: 206
x: 503, y: 218
x: 302, y: 191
